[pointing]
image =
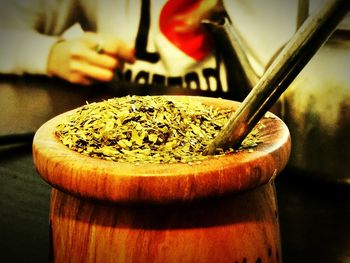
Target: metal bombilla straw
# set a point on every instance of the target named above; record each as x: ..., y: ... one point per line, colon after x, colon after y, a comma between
x: 233, y: 54
x: 291, y: 60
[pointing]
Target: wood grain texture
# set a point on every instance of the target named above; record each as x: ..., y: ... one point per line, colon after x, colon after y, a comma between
x: 103, y: 180
x: 237, y: 228
x: 221, y: 210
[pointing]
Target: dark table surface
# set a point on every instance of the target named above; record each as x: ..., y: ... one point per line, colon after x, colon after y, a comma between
x: 314, y: 215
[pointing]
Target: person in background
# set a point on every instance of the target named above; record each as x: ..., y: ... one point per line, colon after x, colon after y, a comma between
x: 146, y: 42
x: 163, y: 42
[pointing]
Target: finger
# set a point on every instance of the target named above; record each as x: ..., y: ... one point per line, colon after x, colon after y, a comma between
x: 100, y: 60
x: 111, y: 46
x: 85, y: 81
x: 92, y: 71
x: 119, y: 49
x: 80, y: 79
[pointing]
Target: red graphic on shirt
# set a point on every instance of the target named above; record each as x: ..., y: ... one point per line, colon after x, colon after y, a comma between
x: 178, y: 23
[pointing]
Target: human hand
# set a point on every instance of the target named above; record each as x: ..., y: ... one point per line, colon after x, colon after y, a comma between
x: 79, y: 62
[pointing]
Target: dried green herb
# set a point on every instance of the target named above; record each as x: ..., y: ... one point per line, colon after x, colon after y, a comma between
x: 141, y: 129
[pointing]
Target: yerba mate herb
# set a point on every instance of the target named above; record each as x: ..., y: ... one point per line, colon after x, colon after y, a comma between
x: 139, y: 129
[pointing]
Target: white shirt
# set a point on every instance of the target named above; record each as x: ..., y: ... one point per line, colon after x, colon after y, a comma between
x: 28, y: 29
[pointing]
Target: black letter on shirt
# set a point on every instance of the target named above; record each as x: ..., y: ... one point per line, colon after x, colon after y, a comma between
x: 212, y: 73
x: 192, y: 80
x: 142, y: 77
x: 142, y: 35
